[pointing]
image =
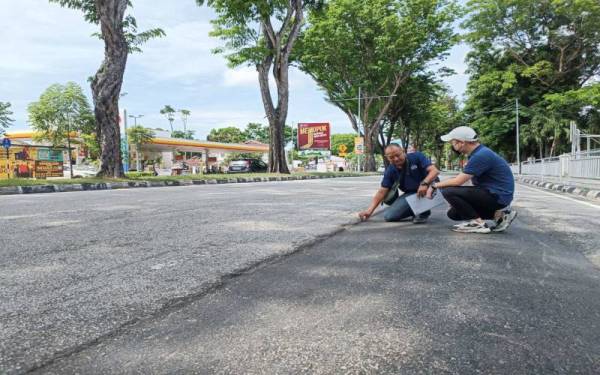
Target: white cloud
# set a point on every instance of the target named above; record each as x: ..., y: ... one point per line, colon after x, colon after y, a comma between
x: 45, y: 44
x: 184, y: 55
x: 245, y: 76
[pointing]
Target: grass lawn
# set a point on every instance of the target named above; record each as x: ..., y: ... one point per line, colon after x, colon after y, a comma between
x: 63, y: 181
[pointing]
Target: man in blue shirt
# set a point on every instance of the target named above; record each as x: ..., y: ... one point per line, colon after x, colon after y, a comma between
x: 492, y: 191
x: 414, y: 174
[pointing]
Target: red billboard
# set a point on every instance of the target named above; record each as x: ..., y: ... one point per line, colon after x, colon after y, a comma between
x: 314, y: 136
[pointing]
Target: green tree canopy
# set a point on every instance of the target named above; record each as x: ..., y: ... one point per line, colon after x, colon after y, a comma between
x: 185, y: 114
x: 5, y: 119
x: 187, y: 134
x: 533, y: 51
x: 169, y: 113
x: 60, y: 110
x: 120, y: 35
x: 257, y: 132
x: 411, y: 110
x: 133, y: 37
x: 374, y: 46
x: 229, y: 134
x: 342, y: 139
x: 138, y: 135
x: 263, y: 34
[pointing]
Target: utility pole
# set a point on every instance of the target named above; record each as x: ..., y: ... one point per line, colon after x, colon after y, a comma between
x: 126, y: 159
x: 135, y: 118
x: 69, y: 146
x: 358, y: 122
x: 518, y: 139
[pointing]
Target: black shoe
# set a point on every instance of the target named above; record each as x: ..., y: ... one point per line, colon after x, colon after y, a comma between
x: 504, y: 222
x: 419, y: 219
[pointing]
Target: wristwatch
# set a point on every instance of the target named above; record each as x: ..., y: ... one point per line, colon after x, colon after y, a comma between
x: 434, y: 185
x: 425, y: 183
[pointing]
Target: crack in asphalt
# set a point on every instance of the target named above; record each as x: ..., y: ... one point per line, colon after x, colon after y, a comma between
x: 178, y: 303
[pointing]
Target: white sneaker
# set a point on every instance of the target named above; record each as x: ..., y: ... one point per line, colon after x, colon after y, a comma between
x: 461, y: 225
x: 504, y: 222
x: 473, y: 226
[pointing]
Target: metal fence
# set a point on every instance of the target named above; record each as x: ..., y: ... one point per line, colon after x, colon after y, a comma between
x: 581, y: 165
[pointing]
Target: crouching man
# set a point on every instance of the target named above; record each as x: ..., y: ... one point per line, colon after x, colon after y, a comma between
x: 492, y: 191
x: 413, y: 174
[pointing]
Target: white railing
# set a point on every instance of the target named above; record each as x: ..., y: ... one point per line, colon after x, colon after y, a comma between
x: 585, y: 167
x: 581, y: 165
x: 544, y: 167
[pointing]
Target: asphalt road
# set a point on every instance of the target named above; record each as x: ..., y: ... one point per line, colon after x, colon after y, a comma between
x: 77, y: 267
x: 375, y: 298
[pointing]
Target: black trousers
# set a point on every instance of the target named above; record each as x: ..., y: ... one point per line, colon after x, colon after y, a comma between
x: 470, y: 202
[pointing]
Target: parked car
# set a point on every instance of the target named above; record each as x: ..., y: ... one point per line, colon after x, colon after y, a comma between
x: 80, y: 171
x: 247, y: 166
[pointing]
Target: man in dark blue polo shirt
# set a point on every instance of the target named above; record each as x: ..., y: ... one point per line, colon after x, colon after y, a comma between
x: 414, y: 172
x: 492, y: 191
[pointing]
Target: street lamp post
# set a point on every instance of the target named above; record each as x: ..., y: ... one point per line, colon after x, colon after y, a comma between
x: 126, y: 160
x: 359, y: 119
x: 518, y: 136
x: 358, y: 122
x: 134, y: 117
x: 508, y: 108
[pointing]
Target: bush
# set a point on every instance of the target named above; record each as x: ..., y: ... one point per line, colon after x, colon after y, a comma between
x: 139, y: 174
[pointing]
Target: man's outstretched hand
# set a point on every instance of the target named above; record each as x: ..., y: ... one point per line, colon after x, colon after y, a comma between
x: 364, y: 215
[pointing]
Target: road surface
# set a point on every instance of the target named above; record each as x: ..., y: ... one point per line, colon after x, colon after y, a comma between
x: 140, y: 281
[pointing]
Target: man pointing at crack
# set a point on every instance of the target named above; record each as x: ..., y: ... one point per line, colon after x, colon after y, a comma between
x: 413, y: 174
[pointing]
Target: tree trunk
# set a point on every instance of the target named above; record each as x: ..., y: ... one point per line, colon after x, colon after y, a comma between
x: 277, y: 160
x: 106, y: 85
x: 137, y: 158
x: 554, y: 144
x: 384, y: 141
x: 69, y: 152
x: 372, y: 129
x: 370, y: 151
x: 276, y: 117
x: 279, y: 45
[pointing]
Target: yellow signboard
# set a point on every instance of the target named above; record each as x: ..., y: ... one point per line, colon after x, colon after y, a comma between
x: 30, y: 162
x: 359, y: 145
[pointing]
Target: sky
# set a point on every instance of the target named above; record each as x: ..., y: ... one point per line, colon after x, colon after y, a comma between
x: 45, y: 44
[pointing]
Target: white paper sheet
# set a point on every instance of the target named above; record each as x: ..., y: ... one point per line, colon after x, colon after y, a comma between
x: 420, y: 205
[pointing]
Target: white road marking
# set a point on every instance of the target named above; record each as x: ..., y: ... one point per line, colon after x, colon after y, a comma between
x: 562, y: 197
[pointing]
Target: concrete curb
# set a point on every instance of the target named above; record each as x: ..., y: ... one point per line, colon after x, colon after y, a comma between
x: 593, y: 195
x: 38, y: 189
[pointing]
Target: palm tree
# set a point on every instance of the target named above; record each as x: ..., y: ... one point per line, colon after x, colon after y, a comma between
x: 169, y: 113
x: 5, y: 119
x: 184, y: 117
x: 139, y: 135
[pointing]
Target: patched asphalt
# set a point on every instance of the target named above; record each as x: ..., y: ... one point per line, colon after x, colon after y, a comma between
x: 389, y: 298
x: 78, y: 267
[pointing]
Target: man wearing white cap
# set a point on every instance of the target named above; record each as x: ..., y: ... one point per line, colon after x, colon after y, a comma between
x: 492, y: 191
